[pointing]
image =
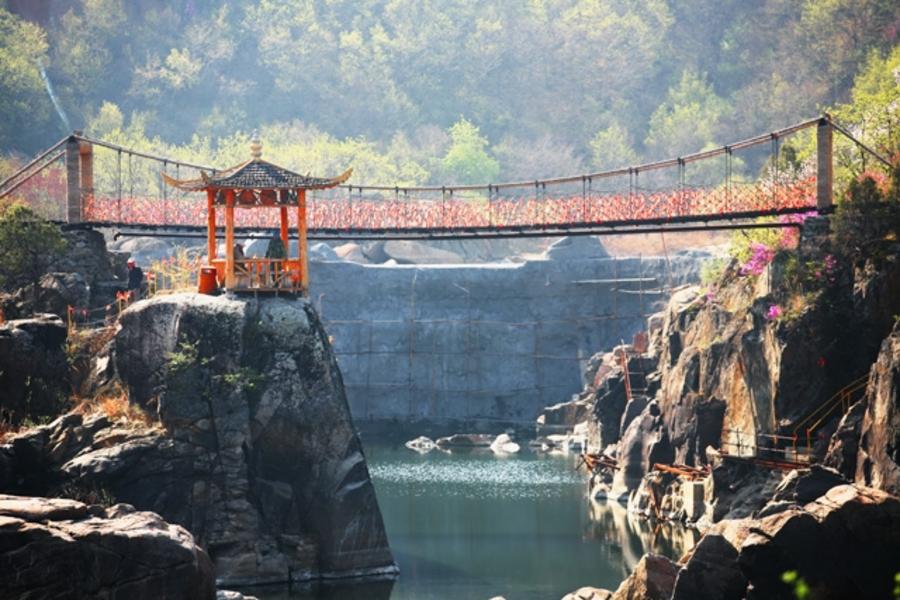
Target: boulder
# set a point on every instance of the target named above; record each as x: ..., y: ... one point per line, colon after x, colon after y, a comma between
x: 711, y: 573
x: 576, y: 247
x: 843, y: 544
x: 33, y: 368
x: 57, y: 548
x: 409, y: 252
x: 322, y: 251
x: 230, y: 595
x: 503, y: 444
x: 57, y: 291
x: 805, y: 485
x: 144, y: 249
x: 86, y: 254
x: 588, y: 593
x: 652, y: 579
x: 281, y: 487
x: 351, y: 252
x: 465, y: 440
x: 421, y: 444
x: 562, y: 417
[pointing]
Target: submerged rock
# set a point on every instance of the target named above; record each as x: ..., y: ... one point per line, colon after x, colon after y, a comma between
x: 56, y: 548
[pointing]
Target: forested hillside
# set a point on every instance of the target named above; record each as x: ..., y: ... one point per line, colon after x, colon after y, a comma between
x: 435, y: 90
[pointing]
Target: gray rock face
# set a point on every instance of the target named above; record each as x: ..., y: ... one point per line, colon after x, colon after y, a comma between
x: 55, y: 548
x: 645, y: 442
x: 255, y: 452
x: 86, y: 254
x: 33, y: 369
x: 844, y: 443
x: 878, y: 462
x: 272, y: 475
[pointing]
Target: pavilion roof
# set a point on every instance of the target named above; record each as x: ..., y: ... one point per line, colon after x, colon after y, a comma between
x: 257, y: 174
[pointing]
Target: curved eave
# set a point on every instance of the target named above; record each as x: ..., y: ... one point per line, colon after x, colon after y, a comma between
x: 219, y: 182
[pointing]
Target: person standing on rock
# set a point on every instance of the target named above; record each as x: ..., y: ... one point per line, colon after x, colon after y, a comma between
x: 135, y: 279
x: 275, y: 251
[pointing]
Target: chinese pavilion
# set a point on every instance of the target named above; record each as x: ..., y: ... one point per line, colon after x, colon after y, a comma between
x: 258, y: 184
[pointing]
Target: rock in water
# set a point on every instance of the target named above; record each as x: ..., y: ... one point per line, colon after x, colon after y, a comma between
x: 503, y: 444
x: 465, y: 440
x: 421, y: 444
x: 261, y: 460
x: 55, y: 548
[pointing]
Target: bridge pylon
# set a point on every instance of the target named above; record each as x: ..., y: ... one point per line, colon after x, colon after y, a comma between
x: 79, y: 176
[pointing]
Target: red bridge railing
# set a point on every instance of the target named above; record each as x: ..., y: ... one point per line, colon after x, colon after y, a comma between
x: 86, y: 180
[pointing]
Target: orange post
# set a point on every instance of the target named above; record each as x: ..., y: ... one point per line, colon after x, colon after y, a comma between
x: 301, y: 241
x: 229, y: 239
x: 210, y: 225
x: 284, y: 229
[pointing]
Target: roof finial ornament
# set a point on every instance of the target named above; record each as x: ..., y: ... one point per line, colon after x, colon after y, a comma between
x: 255, y: 146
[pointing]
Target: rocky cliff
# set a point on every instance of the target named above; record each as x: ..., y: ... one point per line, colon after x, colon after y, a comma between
x: 749, y: 357
x: 768, y: 349
x: 253, y: 449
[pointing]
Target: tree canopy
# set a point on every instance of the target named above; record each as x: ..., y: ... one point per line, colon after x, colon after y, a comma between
x: 391, y: 83
x: 30, y: 245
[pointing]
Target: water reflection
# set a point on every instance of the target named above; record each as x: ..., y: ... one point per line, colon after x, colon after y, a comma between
x: 473, y: 525
x: 634, y: 536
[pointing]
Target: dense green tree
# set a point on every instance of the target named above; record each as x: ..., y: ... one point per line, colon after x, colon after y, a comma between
x: 874, y: 109
x: 687, y: 121
x: 612, y: 148
x: 30, y: 245
x: 23, y: 102
x: 567, y: 76
x: 467, y: 160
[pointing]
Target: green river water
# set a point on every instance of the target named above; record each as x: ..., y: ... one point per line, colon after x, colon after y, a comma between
x: 473, y: 525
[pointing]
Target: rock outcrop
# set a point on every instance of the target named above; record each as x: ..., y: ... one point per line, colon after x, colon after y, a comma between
x: 652, y: 579
x: 254, y: 452
x: 878, y: 460
x: 33, y: 368
x: 842, y: 544
x: 83, y: 276
x: 56, y: 548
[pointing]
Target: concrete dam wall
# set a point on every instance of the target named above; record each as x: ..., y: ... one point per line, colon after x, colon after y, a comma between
x: 476, y: 342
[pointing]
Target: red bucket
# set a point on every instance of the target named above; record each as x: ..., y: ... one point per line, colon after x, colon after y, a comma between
x: 207, y: 283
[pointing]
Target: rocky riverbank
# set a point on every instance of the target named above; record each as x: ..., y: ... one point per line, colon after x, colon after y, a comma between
x: 231, y: 421
x: 736, y: 381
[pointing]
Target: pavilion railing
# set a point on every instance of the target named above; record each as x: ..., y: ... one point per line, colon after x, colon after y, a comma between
x: 277, y: 274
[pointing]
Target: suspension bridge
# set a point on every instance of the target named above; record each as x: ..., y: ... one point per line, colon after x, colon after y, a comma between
x: 82, y: 180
